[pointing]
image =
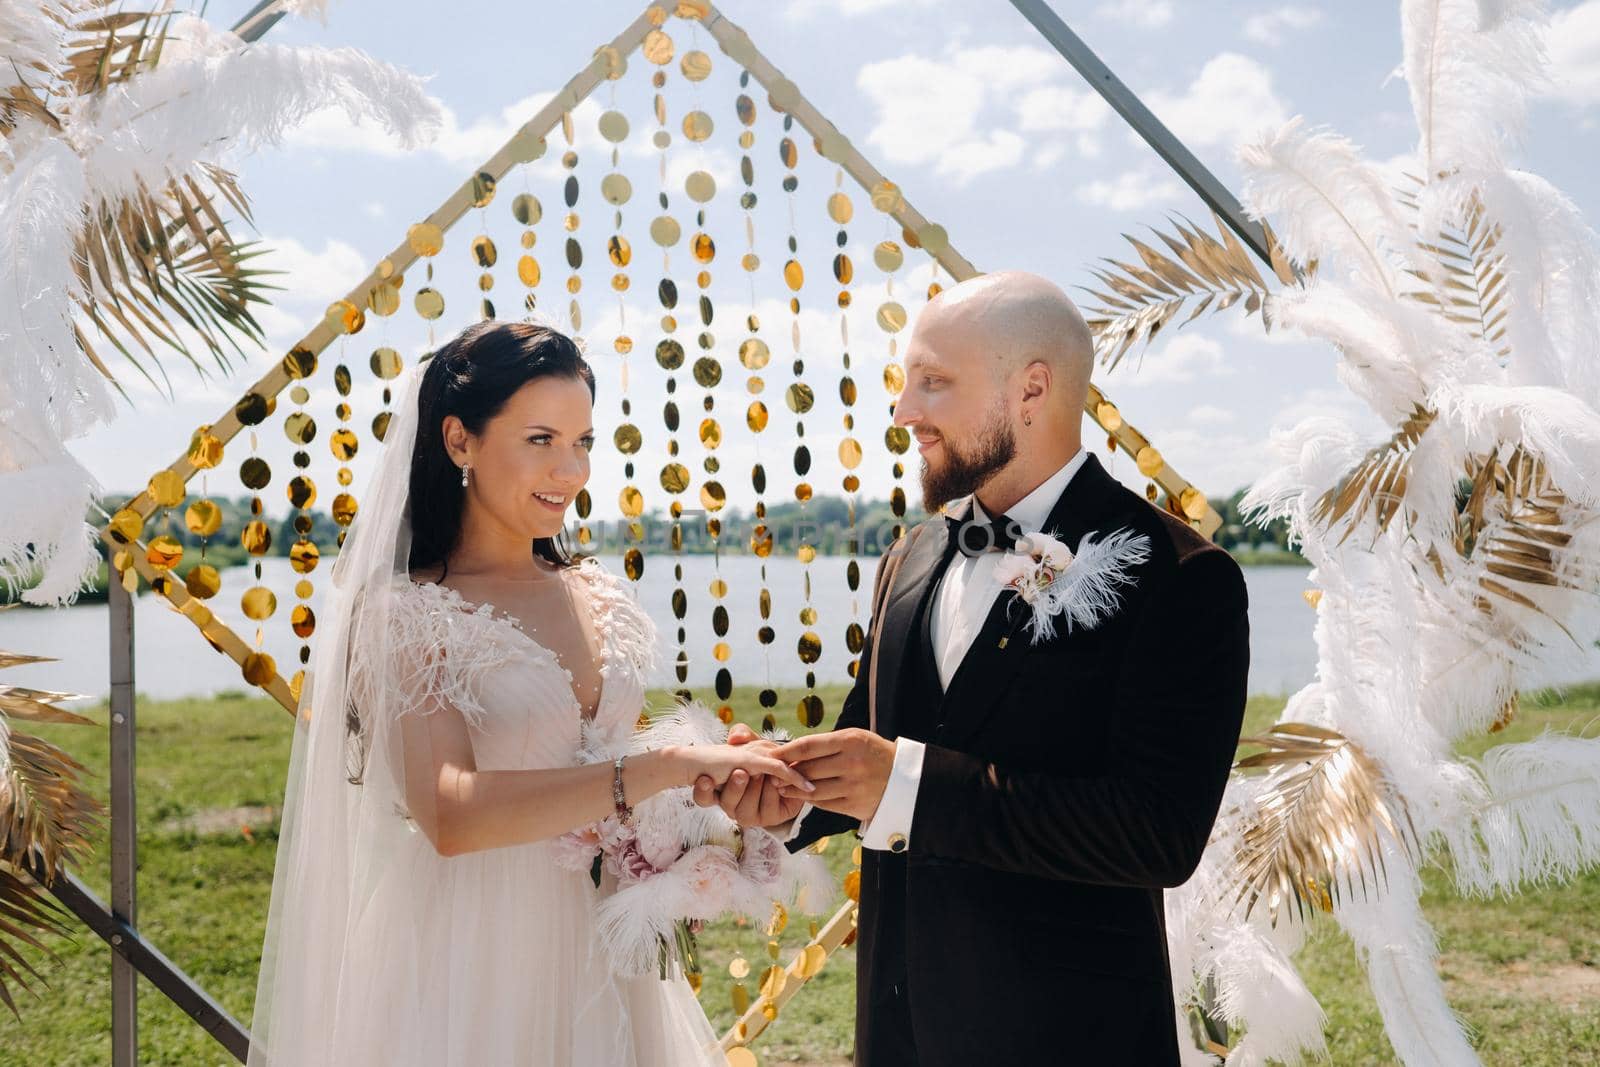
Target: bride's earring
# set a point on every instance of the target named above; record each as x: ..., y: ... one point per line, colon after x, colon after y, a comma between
x: 465, y: 467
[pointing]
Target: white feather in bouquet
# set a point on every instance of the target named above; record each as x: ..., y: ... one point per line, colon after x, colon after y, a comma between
x: 677, y: 863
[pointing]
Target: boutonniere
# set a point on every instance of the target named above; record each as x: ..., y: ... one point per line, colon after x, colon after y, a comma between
x: 1083, y: 587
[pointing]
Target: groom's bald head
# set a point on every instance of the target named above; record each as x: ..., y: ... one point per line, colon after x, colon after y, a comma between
x: 1010, y: 319
x: 995, y: 362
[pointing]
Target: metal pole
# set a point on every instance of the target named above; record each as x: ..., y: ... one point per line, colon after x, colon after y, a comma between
x: 258, y: 20
x: 1125, y: 103
x: 124, y: 827
x: 167, y: 977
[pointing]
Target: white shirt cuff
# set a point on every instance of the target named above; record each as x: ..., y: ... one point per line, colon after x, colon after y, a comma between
x: 794, y: 825
x: 889, y: 829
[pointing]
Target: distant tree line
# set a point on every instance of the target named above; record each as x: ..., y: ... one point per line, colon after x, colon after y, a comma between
x: 824, y: 523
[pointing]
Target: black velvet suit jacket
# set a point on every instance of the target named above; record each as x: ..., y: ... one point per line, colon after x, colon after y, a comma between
x: 1064, y: 786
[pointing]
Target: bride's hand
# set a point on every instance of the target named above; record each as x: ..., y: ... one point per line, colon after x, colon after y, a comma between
x: 718, y: 762
x: 748, y: 801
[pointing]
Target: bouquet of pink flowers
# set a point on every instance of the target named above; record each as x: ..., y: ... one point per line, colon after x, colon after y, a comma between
x: 677, y: 865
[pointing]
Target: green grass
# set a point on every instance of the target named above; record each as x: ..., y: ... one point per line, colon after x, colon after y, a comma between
x: 1523, y: 972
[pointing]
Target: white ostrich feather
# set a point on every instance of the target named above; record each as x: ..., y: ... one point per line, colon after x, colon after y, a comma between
x: 1329, y: 202
x: 41, y: 526
x: 1256, y: 981
x: 1471, y: 66
x: 1089, y: 590
x: 1537, y: 818
x: 48, y: 392
x: 631, y: 920
x: 1386, y: 351
x: 211, y: 94
x: 1552, y: 266
x: 32, y: 42
x: 1311, y: 457
x: 308, y: 9
x: 1397, y: 947
x: 1562, y: 429
x: 41, y: 368
x: 1245, y: 963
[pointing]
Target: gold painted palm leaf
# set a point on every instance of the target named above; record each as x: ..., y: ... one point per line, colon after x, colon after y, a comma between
x: 1514, y: 523
x: 1138, y: 300
x: 159, y: 271
x: 164, y: 265
x: 1316, y: 832
x: 1376, y: 485
x: 1468, y: 283
x: 25, y: 911
x: 47, y: 818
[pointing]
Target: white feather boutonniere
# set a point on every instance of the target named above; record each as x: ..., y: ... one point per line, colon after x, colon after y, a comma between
x: 1083, y: 587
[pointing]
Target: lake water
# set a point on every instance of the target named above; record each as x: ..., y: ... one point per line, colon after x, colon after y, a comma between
x: 172, y: 660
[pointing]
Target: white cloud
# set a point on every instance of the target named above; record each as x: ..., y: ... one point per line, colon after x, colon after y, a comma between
x: 313, y: 277
x: 1221, y: 455
x: 1004, y: 70
x: 1231, y: 100
x: 1053, y: 108
x: 1210, y: 415
x: 928, y: 112
x: 1184, y: 359
x: 1271, y: 27
x: 947, y: 111
x: 1131, y: 190
x: 1049, y: 156
x: 999, y: 150
x: 1144, y: 14
x: 851, y: 8
x: 1218, y: 462
x: 459, y: 145
x: 924, y: 106
x: 1574, y: 43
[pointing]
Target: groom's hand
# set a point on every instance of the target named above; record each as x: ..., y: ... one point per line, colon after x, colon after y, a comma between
x: 748, y: 802
x: 850, y: 769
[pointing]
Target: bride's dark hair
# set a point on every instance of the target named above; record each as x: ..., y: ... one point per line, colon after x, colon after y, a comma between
x: 472, y: 377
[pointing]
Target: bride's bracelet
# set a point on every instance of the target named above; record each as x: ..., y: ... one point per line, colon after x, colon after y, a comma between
x: 623, y: 811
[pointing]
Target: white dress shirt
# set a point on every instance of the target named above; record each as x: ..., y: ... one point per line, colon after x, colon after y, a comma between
x: 962, y: 602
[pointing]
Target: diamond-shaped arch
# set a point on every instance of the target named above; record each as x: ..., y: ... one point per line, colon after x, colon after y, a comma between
x: 125, y: 532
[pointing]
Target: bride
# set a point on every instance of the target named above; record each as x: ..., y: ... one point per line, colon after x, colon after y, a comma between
x: 417, y: 915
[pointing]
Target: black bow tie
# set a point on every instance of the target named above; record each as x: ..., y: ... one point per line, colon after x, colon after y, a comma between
x: 973, y: 537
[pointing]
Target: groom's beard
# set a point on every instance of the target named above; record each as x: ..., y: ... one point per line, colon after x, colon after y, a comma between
x: 965, y: 469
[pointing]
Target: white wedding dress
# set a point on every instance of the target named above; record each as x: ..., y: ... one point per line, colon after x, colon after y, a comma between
x: 379, y: 951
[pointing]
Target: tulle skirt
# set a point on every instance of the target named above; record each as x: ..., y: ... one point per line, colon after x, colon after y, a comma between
x: 485, y: 960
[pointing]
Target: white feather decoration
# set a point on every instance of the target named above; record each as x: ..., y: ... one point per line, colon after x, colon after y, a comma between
x: 48, y: 391
x: 636, y: 917
x: 1435, y: 609
x: 209, y: 95
x: 1396, y: 946
x: 1083, y: 594
x: 1471, y: 67
x: 1538, y: 818
x: 32, y: 44
x: 1328, y: 201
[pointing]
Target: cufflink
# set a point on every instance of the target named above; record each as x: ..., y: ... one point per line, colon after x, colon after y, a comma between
x: 897, y: 842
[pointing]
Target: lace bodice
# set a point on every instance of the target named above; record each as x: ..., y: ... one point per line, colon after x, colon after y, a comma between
x: 514, y: 693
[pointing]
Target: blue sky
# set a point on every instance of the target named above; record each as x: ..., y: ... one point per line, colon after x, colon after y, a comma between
x: 985, y: 129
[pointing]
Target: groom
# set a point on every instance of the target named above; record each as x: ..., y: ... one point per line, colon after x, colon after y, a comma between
x: 1022, y: 803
